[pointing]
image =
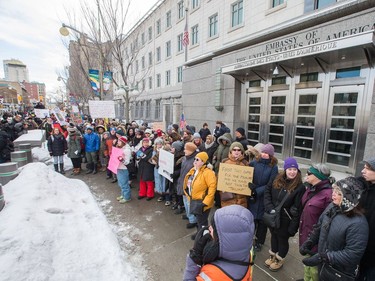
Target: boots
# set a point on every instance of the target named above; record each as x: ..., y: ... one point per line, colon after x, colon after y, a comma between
x: 271, y: 259
x: 77, y: 171
x: 95, y: 169
x: 89, y: 166
x: 56, y: 167
x: 73, y: 172
x: 62, y: 168
x: 277, y: 264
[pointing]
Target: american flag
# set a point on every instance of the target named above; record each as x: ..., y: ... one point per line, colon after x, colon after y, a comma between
x: 185, y: 38
x: 182, y: 122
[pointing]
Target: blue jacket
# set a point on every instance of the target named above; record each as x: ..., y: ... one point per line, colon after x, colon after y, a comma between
x: 92, y: 142
x: 264, y: 175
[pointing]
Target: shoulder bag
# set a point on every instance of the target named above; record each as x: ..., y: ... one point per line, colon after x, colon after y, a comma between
x: 272, y: 220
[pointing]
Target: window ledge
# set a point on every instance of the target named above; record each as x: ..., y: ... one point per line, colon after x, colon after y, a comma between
x: 241, y: 25
x: 212, y: 38
x: 275, y: 9
x: 194, y: 46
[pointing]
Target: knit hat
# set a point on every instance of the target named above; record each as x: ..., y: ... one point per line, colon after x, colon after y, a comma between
x: 158, y: 141
x: 351, y: 189
x: 123, y: 139
x: 71, y: 128
x: 106, y: 133
x: 269, y: 149
x: 236, y: 144
x: 99, y: 126
x: 189, y: 146
x: 90, y: 128
x: 159, y: 132
x: 203, y: 156
x: 290, y: 163
x: 175, y: 127
x: 371, y: 163
x: 178, y: 145
x: 145, y: 140
x: 241, y: 131
x: 148, y: 131
x: 120, y: 132
x: 197, y: 136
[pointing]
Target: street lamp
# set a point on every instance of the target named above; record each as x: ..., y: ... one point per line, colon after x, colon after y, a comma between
x: 64, y: 31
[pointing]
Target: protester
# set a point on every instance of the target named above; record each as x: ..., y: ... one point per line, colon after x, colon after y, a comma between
x: 204, y: 132
x: 341, y: 233
x: 222, y: 151
x: 159, y: 179
x: 210, y: 147
x: 145, y: 171
x: 74, y: 148
x: 235, y: 157
x: 288, y: 183
x: 57, y: 147
x: 316, y: 198
x: 122, y: 170
x: 200, y: 184
x: 265, y: 171
x: 241, y: 138
x: 367, y: 267
x: 220, y: 129
x: 92, y: 144
x: 222, y: 251
x: 197, y: 140
x: 177, y: 149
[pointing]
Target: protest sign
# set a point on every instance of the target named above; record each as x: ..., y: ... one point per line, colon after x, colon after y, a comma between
x: 235, y: 178
x: 166, y: 164
x: 41, y: 113
x: 113, y: 160
x: 101, y: 109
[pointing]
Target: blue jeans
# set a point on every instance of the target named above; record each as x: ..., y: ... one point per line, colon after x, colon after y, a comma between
x: 191, y: 217
x: 159, y: 182
x: 123, y: 183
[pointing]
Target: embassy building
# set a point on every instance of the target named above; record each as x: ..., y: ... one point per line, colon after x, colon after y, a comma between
x: 298, y: 74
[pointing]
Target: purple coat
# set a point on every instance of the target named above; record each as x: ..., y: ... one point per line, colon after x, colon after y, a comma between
x: 313, y: 208
x: 235, y: 228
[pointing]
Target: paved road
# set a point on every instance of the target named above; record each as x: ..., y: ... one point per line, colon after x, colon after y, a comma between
x: 152, y: 230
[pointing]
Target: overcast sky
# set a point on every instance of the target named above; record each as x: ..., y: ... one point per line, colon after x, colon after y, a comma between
x: 30, y: 33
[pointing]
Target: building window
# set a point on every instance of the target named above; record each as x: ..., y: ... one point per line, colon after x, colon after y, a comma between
x: 195, y: 4
x: 157, y: 109
x: 307, y: 77
x: 158, y: 54
x: 179, y: 74
x: 277, y: 3
x: 143, y: 38
x: 158, y: 80
x: 212, y: 23
x: 168, y: 77
x: 148, y: 108
x: 143, y: 62
x: 194, y: 35
x: 279, y: 80
x: 348, y: 72
x: 168, y: 21
x: 179, y: 42
x: 150, y: 82
x: 319, y: 4
x: 158, y: 27
x: 237, y: 13
x: 150, y: 33
x: 150, y: 58
x: 180, y: 9
x: 168, y: 51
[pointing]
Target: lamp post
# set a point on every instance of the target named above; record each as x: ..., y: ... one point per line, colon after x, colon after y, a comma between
x: 64, y: 31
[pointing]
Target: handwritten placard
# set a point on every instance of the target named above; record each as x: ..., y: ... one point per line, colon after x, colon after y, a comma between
x: 101, y: 109
x: 235, y: 178
x: 166, y: 164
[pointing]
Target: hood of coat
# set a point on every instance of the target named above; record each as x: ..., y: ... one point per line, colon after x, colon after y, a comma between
x: 227, y: 137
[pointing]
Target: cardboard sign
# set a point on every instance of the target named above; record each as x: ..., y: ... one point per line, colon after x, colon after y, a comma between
x: 101, y: 109
x: 235, y: 178
x: 166, y: 164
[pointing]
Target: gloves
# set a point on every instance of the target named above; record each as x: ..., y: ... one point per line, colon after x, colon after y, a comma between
x: 316, y: 259
x: 253, y: 196
x: 121, y: 159
x: 306, y: 247
x: 201, y: 239
x: 252, y: 186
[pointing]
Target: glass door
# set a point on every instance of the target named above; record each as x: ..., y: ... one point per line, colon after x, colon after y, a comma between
x: 253, y: 121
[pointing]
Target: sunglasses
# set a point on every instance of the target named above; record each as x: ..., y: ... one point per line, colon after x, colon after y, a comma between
x: 197, y: 159
x: 236, y: 149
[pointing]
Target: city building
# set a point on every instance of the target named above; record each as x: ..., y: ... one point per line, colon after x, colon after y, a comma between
x: 36, y: 91
x: 15, y: 71
x: 297, y: 74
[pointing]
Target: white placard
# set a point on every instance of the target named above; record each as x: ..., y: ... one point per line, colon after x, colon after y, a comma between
x: 166, y: 164
x: 102, y: 109
x: 41, y: 113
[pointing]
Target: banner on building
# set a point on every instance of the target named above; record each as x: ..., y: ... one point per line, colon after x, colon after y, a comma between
x: 102, y: 109
x: 107, y: 80
x: 94, y: 80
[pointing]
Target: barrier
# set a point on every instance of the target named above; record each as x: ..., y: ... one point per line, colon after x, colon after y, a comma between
x: 2, y: 201
x: 20, y: 157
x: 34, y: 137
x: 8, y: 171
x: 27, y: 148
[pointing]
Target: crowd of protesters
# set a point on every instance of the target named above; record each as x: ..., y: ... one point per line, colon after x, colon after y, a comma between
x: 334, y: 219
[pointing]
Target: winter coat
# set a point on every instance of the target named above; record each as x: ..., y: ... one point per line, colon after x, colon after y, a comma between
x: 313, y: 208
x: 74, y: 145
x: 222, y: 150
x: 367, y: 202
x: 126, y: 155
x: 204, y: 133
x: 235, y: 229
x: 186, y: 165
x: 57, y: 145
x: 238, y: 199
x: 6, y: 147
x: 203, y: 186
x: 344, y: 240
x: 263, y: 176
x: 210, y: 149
x: 172, y: 186
x: 145, y: 168
x: 219, y: 131
x: 92, y: 142
x: 290, y: 211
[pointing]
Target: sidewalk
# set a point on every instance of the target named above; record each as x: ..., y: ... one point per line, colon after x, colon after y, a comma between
x: 162, y: 238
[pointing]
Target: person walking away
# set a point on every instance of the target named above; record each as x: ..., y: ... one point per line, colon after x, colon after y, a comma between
x: 341, y: 234
x: 222, y: 251
x: 288, y: 183
x: 265, y: 171
x: 92, y: 143
x: 57, y: 147
x: 316, y: 198
x: 74, y: 148
x: 122, y: 170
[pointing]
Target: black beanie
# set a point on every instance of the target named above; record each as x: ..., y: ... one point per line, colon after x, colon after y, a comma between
x: 241, y: 131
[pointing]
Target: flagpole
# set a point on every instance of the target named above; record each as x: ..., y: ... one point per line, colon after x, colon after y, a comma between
x: 187, y: 30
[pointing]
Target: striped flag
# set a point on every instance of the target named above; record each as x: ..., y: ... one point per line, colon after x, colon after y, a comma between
x: 185, y: 38
x: 182, y: 122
